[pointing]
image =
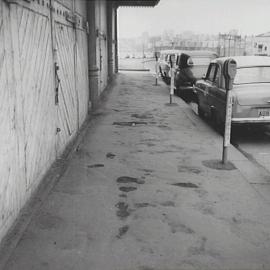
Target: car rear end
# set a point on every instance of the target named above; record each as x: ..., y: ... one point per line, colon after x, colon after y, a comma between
x: 251, y: 104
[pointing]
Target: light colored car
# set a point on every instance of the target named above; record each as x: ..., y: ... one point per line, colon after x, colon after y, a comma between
x: 164, y: 63
x: 193, y: 68
x: 250, y: 92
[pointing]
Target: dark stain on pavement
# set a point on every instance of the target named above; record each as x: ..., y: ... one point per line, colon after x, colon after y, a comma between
x: 142, y: 205
x: 47, y: 221
x: 218, y: 165
x: 184, y: 168
x: 146, y: 170
x: 82, y: 153
x: 130, y: 124
x: 201, y: 249
x: 110, y: 155
x: 122, y: 231
x: 142, y: 116
x: 168, y: 203
x: 146, y: 268
x: 127, y: 189
x: 175, y: 228
x: 165, y: 127
x: 96, y: 165
x: 97, y: 114
x: 128, y: 179
x: 149, y: 144
x: 123, y: 195
x: 122, y: 211
x: 185, y: 185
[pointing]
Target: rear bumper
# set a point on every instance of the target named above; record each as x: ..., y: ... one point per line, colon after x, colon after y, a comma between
x: 251, y: 120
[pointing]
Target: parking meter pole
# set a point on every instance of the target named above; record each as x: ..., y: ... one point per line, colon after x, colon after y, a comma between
x: 227, y: 131
x: 156, y: 71
x: 172, y: 84
x: 157, y: 55
x: 229, y: 72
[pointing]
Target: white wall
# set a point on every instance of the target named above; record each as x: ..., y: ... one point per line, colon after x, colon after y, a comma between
x: 29, y: 116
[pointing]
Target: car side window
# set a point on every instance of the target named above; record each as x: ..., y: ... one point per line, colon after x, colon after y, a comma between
x: 212, y: 73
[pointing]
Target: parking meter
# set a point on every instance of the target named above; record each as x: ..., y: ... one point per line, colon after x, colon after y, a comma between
x: 229, y: 72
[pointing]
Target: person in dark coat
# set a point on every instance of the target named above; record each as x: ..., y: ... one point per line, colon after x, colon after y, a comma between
x: 185, y: 74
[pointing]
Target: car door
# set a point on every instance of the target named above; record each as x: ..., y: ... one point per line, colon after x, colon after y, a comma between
x: 203, y: 88
x: 167, y: 66
x: 162, y: 63
x: 216, y: 98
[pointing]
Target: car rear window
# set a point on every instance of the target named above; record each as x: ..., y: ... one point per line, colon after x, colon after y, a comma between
x: 201, y: 61
x: 246, y: 75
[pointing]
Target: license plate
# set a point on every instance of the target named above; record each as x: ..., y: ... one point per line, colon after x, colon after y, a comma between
x: 263, y: 112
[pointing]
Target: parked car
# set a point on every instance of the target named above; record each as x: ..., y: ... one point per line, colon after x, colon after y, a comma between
x: 191, y: 66
x: 164, y: 63
x: 250, y: 91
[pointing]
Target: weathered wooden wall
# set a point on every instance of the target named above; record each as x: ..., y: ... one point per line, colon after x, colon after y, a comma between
x: 36, y: 121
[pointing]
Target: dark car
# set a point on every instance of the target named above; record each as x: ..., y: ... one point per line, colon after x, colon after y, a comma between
x: 250, y: 91
x: 191, y: 66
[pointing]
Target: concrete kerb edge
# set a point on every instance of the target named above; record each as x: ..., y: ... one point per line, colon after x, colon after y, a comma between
x: 240, y: 161
x: 48, y: 182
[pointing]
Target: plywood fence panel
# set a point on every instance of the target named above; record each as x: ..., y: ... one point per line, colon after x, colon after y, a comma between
x: 27, y: 107
x: 34, y: 128
x: 9, y: 161
x: 68, y: 101
x: 37, y: 93
x: 82, y: 84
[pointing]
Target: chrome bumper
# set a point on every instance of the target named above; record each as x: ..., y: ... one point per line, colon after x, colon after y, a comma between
x: 251, y: 120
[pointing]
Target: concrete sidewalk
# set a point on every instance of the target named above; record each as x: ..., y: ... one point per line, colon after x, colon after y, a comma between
x: 139, y: 195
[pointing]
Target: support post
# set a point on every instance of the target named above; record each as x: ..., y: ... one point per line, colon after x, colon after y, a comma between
x: 110, y: 26
x: 92, y: 55
x: 229, y: 72
x: 116, y: 38
x: 172, y: 83
x: 228, y: 123
x: 156, y: 69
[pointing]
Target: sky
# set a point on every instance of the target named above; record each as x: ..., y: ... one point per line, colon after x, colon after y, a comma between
x: 250, y: 17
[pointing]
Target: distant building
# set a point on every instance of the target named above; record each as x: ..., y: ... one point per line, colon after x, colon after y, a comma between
x: 262, y: 44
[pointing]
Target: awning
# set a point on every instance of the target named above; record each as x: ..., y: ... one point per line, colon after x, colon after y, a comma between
x: 136, y: 3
